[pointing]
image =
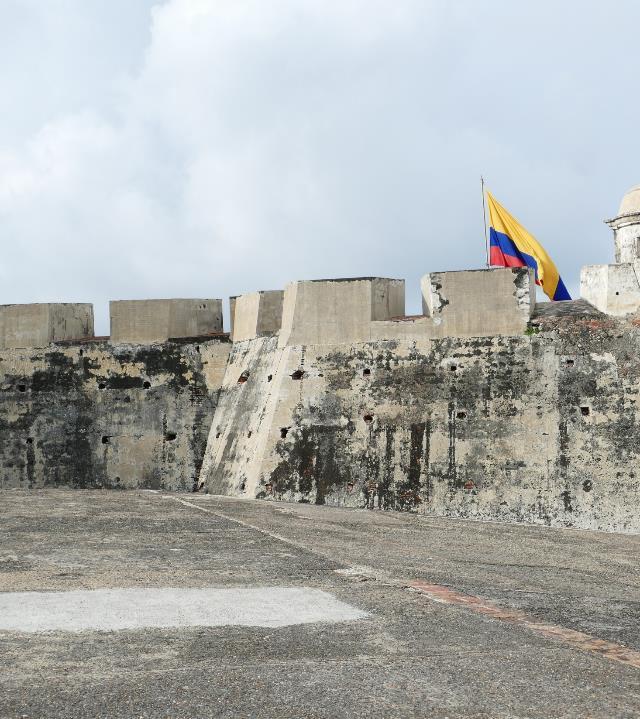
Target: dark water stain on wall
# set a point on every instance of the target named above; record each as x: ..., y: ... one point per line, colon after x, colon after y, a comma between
x: 535, y: 428
x: 94, y: 418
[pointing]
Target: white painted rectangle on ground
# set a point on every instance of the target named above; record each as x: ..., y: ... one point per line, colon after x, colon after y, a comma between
x: 114, y: 609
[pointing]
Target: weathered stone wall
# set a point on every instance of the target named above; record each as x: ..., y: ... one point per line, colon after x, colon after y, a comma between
x: 256, y: 314
x: 39, y: 324
x: 538, y: 427
x: 93, y: 414
x: 147, y: 321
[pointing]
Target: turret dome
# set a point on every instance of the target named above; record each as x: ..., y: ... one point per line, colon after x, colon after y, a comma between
x: 630, y: 204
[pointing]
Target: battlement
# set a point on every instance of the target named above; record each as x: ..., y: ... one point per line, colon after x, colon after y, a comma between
x: 459, y: 304
x: 256, y: 314
x: 148, y: 321
x: 37, y: 325
x: 339, y: 310
x: 310, y: 312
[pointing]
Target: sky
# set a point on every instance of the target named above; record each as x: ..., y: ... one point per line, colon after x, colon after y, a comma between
x: 206, y: 148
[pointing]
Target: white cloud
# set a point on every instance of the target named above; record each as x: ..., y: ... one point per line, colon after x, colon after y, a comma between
x: 238, y: 144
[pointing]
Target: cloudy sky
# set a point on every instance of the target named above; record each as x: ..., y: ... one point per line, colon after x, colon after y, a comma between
x: 202, y: 148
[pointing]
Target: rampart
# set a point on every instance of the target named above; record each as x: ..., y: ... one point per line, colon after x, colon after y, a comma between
x: 488, y: 405
x: 82, y: 411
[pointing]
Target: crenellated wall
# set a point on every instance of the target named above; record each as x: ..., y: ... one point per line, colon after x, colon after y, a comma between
x: 485, y: 406
x: 488, y: 406
x: 538, y: 427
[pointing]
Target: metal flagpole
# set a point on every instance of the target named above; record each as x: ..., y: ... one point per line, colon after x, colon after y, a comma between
x: 484, y: 217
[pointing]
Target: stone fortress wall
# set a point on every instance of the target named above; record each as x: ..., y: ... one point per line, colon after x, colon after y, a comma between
x: 133, y: 410
x: 486, y: 406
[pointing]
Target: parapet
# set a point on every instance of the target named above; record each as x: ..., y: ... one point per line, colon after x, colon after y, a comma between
x: 257, y: 314
x: 37, y: 325
x: 338, y: 311
x: 469, y: 303
x: 472, y: 303
x: 148, y: 321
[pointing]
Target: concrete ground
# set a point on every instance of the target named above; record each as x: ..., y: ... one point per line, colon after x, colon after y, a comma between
x: 437, y: 617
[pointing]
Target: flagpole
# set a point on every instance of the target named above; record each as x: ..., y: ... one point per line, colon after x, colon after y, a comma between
x: 484, y: 217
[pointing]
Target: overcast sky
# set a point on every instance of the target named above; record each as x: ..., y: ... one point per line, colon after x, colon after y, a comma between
x: 203, y: 148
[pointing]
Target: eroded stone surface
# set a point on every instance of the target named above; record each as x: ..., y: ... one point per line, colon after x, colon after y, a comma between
x: 95, y: 414
x: 540, y: 427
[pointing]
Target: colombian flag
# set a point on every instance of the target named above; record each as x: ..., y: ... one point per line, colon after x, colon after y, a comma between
x: 512, y: 246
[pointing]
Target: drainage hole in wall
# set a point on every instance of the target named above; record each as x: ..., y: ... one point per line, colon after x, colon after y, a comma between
x: 117, y: 480
x: 22, y: 388
x: 249, y: 433
x: 29, y: 440
x: 81, y: 353
x: 585, y: 411
x: 461, y: 415
x: 617, y: 293
x: 197, y: 348
x: 217, y: 435
x: 243, y: 377
x: 105, y: 439
x: 366, y: 372
x: 453, y: 367
x: 368, y: 418
x: 283, y: 432
x: 146, y: 384
x: 101, y: 385
x: 269, y: 378
x: 587, y: 485
x: 243, y: 485
x: 298, y: 374
x: 570, y: 362
x: 170, y: 436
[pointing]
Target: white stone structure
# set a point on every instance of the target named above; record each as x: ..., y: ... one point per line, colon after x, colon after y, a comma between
x: 615, y: 289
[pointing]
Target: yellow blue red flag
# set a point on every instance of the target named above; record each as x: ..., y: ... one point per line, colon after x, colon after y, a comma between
x: 512, y: 246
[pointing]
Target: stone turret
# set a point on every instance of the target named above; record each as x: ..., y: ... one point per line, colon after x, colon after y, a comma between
x: 626, y: 227
x: 615, y: 289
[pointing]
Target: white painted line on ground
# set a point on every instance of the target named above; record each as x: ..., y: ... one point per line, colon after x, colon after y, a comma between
x: 242, y: 523
x: 113, y: 609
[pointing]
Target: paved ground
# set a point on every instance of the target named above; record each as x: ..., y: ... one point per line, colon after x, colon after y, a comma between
x: 462, y: 619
